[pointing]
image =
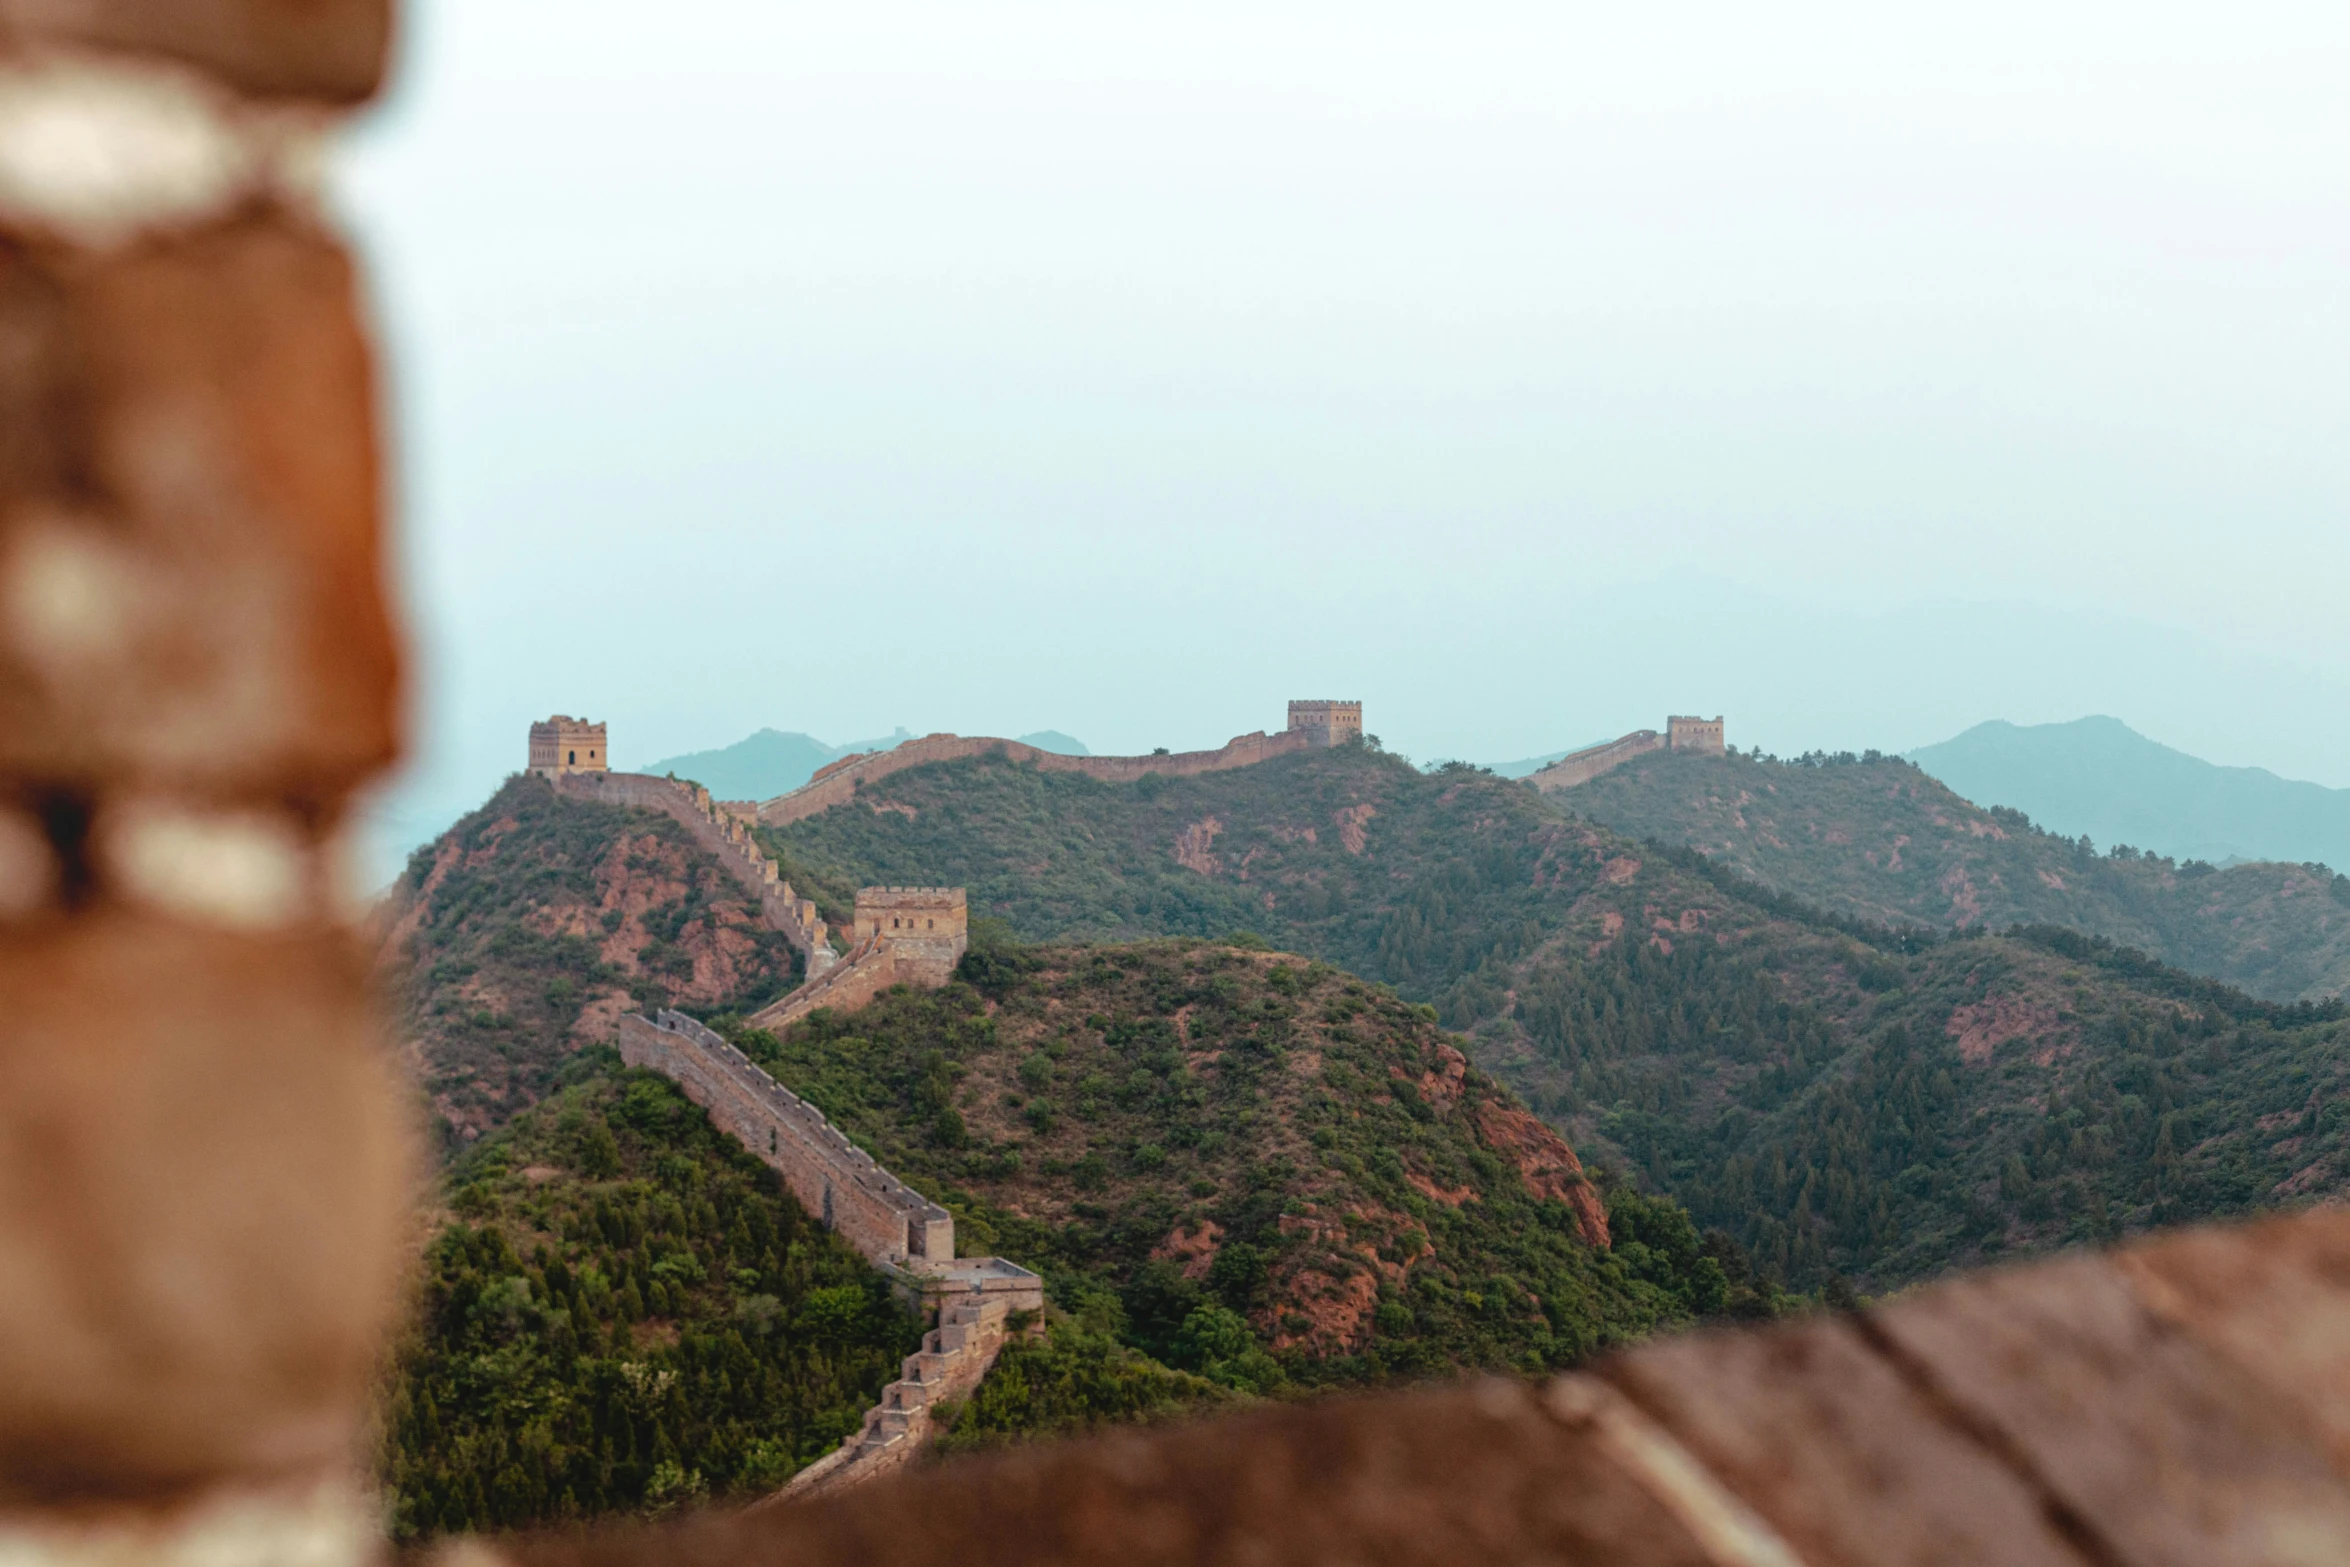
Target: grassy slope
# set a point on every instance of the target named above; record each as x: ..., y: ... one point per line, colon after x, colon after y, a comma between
x: 534, y: 922
x: 1838, y: 1101
x: 624, y: 1311
x: 1263, y: 1171
x: 1881, y: 840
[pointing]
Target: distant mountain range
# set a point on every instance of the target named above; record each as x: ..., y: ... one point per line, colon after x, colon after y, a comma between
x: 2100, y: 777
x: 1881, y: 840
x: 771, y: 762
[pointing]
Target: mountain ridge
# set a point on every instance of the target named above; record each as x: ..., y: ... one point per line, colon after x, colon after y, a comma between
x: 1879, y: 839
x: 2099, y: 777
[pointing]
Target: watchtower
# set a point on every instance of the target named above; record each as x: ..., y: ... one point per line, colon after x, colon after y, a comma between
x: 1329, y: 723
x: 563, y: 744
x: 927, y: 928
x: 1702, y: 735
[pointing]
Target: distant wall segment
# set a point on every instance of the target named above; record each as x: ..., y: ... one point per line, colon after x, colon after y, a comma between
x: 1700, y: 735
x: 838, y: 783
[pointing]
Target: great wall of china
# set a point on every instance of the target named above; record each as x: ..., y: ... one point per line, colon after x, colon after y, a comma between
x: 897, y: 1229
x: 1700, y: 735
x: 916, y: 936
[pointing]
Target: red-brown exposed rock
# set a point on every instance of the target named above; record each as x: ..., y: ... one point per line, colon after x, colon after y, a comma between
x: 1545, y: 1163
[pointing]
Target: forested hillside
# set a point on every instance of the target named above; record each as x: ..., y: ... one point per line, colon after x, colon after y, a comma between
x: 1242, y: 1174
x: 1878, y: 839
x: 621, y: 1310
x: 530, y: 926
x: 1267, y: 1171
x: 1841, y: 1100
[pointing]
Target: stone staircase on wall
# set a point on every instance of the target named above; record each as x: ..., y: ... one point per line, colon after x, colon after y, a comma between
x: 897, y: 1229
x: 954, y: 1357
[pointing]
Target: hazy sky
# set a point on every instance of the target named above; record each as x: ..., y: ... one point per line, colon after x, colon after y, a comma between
x: 1525, y: 370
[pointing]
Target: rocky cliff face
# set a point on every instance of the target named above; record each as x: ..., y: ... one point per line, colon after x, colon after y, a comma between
x: 533, y: 924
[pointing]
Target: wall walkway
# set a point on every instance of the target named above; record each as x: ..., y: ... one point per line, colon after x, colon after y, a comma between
x: 838, y: 783
x: 1590, y: 762
x: 897, y: 1229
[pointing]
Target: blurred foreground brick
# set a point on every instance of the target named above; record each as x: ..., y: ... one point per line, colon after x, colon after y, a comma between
x: 201, y: 1160
x: 189, y: 543
x: 333, y: 50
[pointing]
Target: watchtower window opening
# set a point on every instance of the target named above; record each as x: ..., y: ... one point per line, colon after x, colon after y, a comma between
x: 572, y: 758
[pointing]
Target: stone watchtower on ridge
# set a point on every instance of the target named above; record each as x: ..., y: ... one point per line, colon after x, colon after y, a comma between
x: 563, y: 744
x: 1328, y: 723
x: 1702, y: 735
x: 925, y: 928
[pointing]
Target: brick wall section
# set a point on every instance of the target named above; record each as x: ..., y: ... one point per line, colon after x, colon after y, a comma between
x: 837, y: 783
x: 954, y: 1359
x: 874, y: 1211
x: 928, y: 929
x: 1589, y: 763
x: 897, y: 1228
x: 870, y: 968
x: 725, y: 834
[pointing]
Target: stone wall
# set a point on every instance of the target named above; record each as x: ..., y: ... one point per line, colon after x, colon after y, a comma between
x: 874, y: 1211
x: 928, y: 928
x: 870, y: 968
x: 563, y: 744
x: 896, y: 1228
x: 1702, y: 735
x: 1589, y: 763
x: 725, y: 833
x: 954, y: 1359
x: 1329, y: 723
x: 837, y: 783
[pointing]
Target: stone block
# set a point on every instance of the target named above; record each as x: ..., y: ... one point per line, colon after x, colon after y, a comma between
x: 2268, y: 1299
x: 330, y: 50
x: 190, y: 590
x: 1477, y: 1474
x: 203, y: 1184
x: 1844, y: 1459
x: 2154, y: 1448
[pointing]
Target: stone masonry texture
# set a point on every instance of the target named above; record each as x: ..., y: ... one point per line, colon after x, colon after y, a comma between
x: 332, y: 50
x: 206, y: 1158
x: 189, y: 532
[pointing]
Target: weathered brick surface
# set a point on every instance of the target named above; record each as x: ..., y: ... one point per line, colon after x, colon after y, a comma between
x: 189, y: 554
x: 2160, y: 1450
x: 1467, y: 1475
x: 1848, y: 1462
x: 201, y: 1202
x: 2273, y: 1301
x: 334, y: 50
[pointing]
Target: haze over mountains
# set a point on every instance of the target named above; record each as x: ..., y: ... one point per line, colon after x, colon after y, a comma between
x: 2100, y: 777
